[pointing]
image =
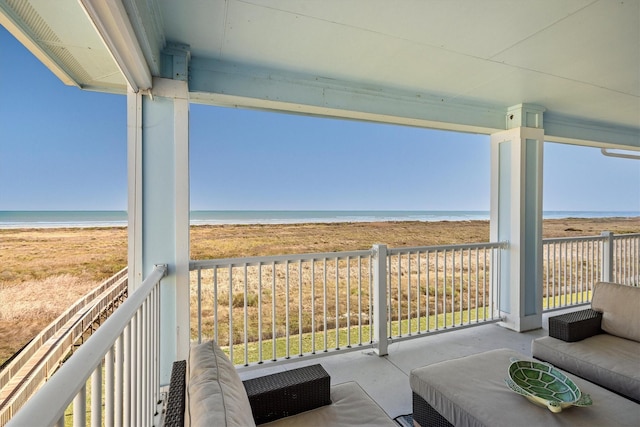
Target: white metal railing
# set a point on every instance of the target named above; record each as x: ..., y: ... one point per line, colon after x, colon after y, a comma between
x: 439, y: 287
x: 44, y: 354
x: 277, y: 307
x: 625, y: 264
x: 118, y: 364
x: 573, y: 265
x: 12, y: 367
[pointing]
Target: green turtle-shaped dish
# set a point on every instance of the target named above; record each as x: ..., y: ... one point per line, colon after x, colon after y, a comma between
x: 544, y: 385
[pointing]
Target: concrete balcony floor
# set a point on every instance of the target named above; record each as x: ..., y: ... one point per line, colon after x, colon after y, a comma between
x: 386, y: 379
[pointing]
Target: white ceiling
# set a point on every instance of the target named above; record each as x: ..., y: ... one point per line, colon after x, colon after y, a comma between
x: 579, y: 59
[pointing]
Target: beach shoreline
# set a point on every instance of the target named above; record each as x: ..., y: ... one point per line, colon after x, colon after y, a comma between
x: 107, y: 219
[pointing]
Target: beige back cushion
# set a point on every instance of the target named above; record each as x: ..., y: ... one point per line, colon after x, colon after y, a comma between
x: 620, y: 308
x: 217, y: 396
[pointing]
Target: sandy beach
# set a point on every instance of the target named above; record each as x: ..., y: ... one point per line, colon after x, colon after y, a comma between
x: 45, y: 270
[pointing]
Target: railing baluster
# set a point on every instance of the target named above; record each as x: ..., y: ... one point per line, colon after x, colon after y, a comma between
x: 246, y: 317
x: 80, y: 408
x: 286, y: 308
x: 444, y: 293
x: 461, y: 268
x: 388, y: 293
x: 437, y: 285
x: 230, y: 269
x: 399, y: 298
x: 371, y: 296
x: 337, y: 314
x: 274, y: 328
x: 418, y: 293
x: 216, y: 319
x: 468, y: 285
x: 300, y: 305
x: 119, y: 397
x: 552, y: 302
x: 147, y: 403
x: 409, y: 293
x: 427, y: 295
x: 581, y: 264
x: 359, y: 300
x: 348, y: 302
x: 324, y: 304
x: 96, y: 397
x: 126, y: 415
x: 260, y: 313
x: 477, y: 303
x: 313, y: 306
x: 134, y: 369
x: 109, y: 387
x: 199, y: 305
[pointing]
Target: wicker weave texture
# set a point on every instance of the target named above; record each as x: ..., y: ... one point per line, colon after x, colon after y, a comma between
x: 174, y: 415
x: 575, y: 326
x: 288, y: 393
x: 425, y: 415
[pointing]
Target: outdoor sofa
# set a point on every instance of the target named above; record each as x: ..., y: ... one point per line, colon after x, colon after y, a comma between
x: 207, y: 391
x: 600, y: 344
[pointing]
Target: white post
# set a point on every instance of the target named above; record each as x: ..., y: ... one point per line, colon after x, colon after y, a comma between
x: 607, y: 256
x: 516, y: 215
x: 158, y: 132
x: 380, y: 298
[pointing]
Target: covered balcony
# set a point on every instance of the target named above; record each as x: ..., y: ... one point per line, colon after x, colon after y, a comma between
x: 525, y: 74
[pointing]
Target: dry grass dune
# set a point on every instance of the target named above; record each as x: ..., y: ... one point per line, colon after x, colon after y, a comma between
x: 43, y: 271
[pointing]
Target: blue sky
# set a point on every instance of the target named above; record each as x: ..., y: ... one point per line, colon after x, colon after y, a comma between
x: 65, y: 149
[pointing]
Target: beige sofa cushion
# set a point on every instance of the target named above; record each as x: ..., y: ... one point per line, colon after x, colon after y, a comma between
x: 351, y: 406
x: 604, y: 359
x: 620, y: 308
x: 217, y: 396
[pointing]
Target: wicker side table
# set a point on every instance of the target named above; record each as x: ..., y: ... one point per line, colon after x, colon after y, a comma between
x: 287, y: 393
x: 575, y: 326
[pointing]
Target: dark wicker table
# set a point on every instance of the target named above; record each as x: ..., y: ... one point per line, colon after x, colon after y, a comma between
x: 575, y: 326
x: 288, y: 393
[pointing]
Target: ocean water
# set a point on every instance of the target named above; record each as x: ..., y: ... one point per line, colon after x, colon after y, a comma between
x: 53, y: 219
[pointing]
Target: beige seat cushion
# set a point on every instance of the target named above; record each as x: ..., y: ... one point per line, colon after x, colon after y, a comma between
x: 351, y: 406
x: 604, y: 359
x: 620, y: 308
x: 217, y: 396
x: 470, y: 391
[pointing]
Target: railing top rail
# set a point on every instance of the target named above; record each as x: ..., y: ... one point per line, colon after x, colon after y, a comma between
x: 277, y: 259
x: 625, y: 236
x: 574, y: 239
x: 485, y: 245
x: 49, y: 403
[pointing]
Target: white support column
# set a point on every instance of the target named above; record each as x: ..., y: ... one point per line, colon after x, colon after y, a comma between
x: 134, y: 166
x: 516, y: 215
x: 158, y: 132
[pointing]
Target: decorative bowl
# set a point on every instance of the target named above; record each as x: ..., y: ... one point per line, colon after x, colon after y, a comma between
x: 544, y: 385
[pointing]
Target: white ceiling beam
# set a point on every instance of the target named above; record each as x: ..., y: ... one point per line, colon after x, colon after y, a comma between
x: 110, y: 19
x: 219, y: 83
